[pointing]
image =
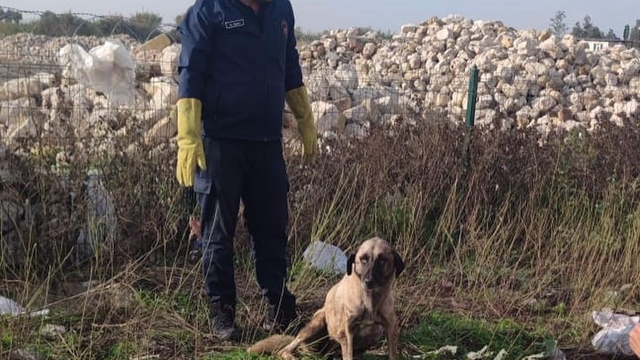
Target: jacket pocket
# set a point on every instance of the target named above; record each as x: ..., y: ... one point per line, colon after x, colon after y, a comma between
x: 202, y: 182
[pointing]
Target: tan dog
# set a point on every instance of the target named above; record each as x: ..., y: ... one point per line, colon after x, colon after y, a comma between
x: 358, y: 311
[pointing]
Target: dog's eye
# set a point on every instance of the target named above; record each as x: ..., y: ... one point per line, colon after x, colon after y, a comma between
x: 364, y: 259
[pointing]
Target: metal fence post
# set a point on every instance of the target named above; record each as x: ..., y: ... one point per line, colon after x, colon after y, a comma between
x: 470, y: 119
x: 473, y: 95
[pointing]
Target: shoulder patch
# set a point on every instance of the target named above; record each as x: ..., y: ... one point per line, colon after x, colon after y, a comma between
x: 285, y: 27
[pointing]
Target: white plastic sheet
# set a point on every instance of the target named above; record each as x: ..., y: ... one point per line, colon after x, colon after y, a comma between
x: 100, y: 229
x: 614, y: 336
x: 10, y: 307
x: 326, y: 257
x: 108, y: 68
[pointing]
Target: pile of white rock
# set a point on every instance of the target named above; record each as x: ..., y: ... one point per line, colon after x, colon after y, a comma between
x: 526, y: 78
x: 38, y: 99
x: 357, y: 79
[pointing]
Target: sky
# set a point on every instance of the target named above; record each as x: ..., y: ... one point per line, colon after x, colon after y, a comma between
x: 384, y: 15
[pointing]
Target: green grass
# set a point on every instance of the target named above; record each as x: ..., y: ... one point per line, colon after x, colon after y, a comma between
x: 512, y: 253
x: 468, y: 334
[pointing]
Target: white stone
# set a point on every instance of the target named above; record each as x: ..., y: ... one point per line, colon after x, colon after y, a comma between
x: 327, y: 117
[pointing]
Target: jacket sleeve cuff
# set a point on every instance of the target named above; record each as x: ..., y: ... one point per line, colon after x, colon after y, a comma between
x: 191, y: 85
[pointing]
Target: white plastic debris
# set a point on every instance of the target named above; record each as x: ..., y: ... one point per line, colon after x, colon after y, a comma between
x: 107, y: 68
x: 10, y: 307
x: 614, y: 336
x: 535, y: 356
x: 501, y: 354
x: 485, y: 353
x: 99, y: 231
x: 52, y: 331
x: 481, y: 354
x: 447, y: 348
x: 326, y: 257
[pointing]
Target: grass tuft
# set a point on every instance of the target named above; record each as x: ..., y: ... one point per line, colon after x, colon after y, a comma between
x: 510, y: 245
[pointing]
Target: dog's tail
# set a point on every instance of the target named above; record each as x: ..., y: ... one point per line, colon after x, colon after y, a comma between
x: 271, y: 345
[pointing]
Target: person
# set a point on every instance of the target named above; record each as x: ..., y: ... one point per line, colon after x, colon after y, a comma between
x: 237, y: 68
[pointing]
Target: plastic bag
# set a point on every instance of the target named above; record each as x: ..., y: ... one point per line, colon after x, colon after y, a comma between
x: 614, y: 336
x: 326, y: 257
x: 10, y: 307
x: 107, y: 68
x: 100, y: 229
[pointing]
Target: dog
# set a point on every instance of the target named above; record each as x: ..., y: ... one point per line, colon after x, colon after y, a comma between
x: 358, y: 311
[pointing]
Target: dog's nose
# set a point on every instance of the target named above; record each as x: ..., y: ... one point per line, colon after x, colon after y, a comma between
x: 368, y: 283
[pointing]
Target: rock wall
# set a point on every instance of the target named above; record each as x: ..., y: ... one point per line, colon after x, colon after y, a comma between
x: 527, y: 78
x: 356, y: 80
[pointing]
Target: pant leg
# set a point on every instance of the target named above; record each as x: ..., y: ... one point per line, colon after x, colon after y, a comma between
x: 267, y: 215
x: 219, y: 190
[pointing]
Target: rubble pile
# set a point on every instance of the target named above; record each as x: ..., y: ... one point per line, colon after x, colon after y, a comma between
x: 356, y: 79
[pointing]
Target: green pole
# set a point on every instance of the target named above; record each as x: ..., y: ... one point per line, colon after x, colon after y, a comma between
x: 473, y: 95
x: 471, y: 114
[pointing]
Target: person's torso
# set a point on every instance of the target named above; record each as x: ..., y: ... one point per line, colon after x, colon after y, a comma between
x: 245, y: 79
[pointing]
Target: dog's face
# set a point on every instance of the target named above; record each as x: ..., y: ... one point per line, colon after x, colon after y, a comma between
x: 375, y: 263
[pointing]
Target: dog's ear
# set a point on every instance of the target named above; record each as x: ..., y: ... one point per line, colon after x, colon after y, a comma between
x: 399, y: 263
x: 350, y: 261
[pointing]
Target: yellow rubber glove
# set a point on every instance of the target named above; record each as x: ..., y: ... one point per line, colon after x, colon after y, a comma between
x: 190, y: 149
x: 298, y: 101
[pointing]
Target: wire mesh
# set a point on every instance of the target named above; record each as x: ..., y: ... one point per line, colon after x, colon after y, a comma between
x: 43, y: 101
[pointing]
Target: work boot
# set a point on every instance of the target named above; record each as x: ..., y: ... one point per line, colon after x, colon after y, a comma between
x: 222, y: 322
x: 280, y: 320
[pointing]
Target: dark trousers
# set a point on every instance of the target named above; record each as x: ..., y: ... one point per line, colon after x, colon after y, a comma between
x: 255, y: 173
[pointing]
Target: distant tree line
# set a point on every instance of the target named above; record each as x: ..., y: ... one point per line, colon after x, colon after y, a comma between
x: 9, y: 16
x: 587, y: 30
x: 142, y: 25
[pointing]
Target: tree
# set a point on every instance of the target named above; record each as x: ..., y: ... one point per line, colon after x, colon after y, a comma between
x: 558, y: 26
x: 173, y: 33
x: 587, y: 29
x: 611, y: 35
x: 145, y: 24
x: 114, y: 24
x: 178, y: 19
x: 10, y: 22
x: 10, y: 16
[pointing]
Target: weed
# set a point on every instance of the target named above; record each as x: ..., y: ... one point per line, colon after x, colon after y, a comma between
x: 508, y: 250
x: 438, y: 329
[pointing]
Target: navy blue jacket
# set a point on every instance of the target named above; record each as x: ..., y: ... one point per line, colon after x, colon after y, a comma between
x: 239, y: 64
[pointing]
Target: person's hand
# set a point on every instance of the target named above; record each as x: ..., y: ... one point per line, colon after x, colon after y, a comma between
x: 190, y: 149
x: 298, y: 101
x: 634, y: 340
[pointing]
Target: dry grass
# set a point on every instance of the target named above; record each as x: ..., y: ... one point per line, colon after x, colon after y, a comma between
x: 539, y: 233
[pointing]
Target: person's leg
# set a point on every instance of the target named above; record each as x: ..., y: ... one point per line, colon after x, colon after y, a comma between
x: 267, y: 215
x: 219, y: 188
